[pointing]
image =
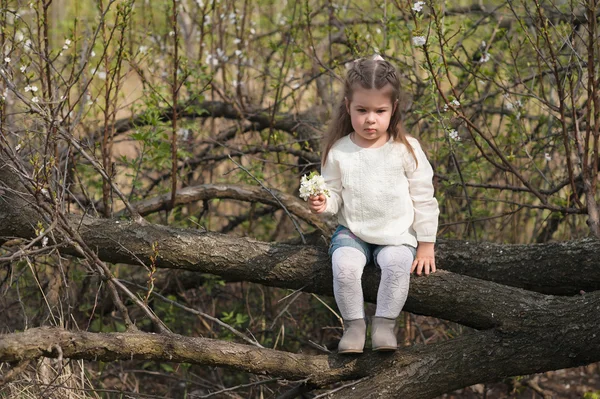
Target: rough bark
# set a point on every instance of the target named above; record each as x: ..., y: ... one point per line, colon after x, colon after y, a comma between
x: 517, y: 339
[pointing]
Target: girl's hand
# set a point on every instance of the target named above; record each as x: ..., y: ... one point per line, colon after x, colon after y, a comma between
x: 317, y: 203
x: 425, y: 259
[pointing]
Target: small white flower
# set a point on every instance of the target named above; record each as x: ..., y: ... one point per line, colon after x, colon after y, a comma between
x: 295, y: 86
x: 378, y: 31
x: 23, y: 68
x: 238, y: 53
x: 200, y: 3
x: 18, y: 147
x: 102, y: 75
x: 445, y: 107
x: 237, y: 40
x: 67, y: 42
x: 485, y: 57
x: 252, y: 31
x: 35, y: 100
x: 419, y: 41
x: 44, y: 241
x: 27, y: 45
x: 93, y: 53
x: 7, y: 60
x: 44, y: 191
x: 418, y: 6
x: 455, y: 103
x: 454, y: 135
x: 483, y: 44
x: 183, y: 133
x: 172, y: 33
x: 548, y: 157
x: 143, y: 49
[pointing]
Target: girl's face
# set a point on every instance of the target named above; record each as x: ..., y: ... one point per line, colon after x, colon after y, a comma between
x: 370, y: 111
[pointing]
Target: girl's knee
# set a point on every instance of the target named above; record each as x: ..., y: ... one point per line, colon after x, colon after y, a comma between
x: 348, y: 259
x: 396, y: 257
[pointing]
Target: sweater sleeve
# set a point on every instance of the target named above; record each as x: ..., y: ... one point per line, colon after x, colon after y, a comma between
x: 420, y: 181
x: 333, y: 180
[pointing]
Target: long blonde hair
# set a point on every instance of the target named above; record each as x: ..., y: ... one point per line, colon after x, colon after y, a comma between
x: 374, y: 73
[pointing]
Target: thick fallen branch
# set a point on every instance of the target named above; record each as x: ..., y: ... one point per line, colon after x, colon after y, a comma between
x: 238, y: 192
x: 54, y: 342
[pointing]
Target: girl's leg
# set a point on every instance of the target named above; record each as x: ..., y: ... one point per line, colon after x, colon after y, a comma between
x: 348, y: 264
x: 395, y: 263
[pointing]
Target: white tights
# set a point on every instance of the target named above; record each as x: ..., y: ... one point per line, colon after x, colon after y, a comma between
x: 348, y: 264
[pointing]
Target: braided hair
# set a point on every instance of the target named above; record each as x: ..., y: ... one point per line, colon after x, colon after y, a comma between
x: 368, y: 73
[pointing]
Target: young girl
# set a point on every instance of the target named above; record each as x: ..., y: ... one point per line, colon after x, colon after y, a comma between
x: 380, y: 186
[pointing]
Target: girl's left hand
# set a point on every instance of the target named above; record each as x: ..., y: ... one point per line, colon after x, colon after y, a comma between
x: 425, y: 259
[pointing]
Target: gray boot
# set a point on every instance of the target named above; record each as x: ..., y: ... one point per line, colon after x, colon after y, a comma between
x: 383, y: 337
x: 353, y: 340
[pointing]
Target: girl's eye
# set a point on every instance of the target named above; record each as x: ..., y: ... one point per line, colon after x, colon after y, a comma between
x: 360, y: 110
x: 381, y: 111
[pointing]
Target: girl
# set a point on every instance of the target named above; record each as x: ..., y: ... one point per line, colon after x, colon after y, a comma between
x: 380, y: 186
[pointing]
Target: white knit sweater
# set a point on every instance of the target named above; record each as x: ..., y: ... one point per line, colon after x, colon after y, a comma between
x: 380, y: 194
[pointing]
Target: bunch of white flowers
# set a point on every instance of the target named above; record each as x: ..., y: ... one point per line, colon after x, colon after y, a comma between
x: 312, y: 185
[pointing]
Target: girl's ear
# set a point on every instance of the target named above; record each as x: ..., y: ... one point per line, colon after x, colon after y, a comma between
x: 347, y: 104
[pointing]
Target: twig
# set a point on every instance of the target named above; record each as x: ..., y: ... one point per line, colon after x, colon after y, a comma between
x: 274, y: 196
x: 198, y: 313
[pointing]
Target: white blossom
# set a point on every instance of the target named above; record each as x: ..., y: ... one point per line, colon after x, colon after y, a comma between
x: 23, y: 68
x: 200, y: 3
x: 548, y: 157
x: 419, y: 41
x: 455, y: 103
x: 32, y: 88
x: 172, y: 33
x: 35, y: 100
x: 93, y: 53
x: 311, y: 185
x: 454, y: 135
x: 238, y: 53
x: 28, y: 45
x: 102, y: 75
x: 7, y: 60
x: 44, y: 241
x: 237, y: 40
x: 418, y: 6
x: 143, y: 49
x: 18, y: 147
x: 485, y: 57
x: 252, y: 31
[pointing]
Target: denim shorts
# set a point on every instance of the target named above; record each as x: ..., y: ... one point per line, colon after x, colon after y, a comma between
x: 343, y: 237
